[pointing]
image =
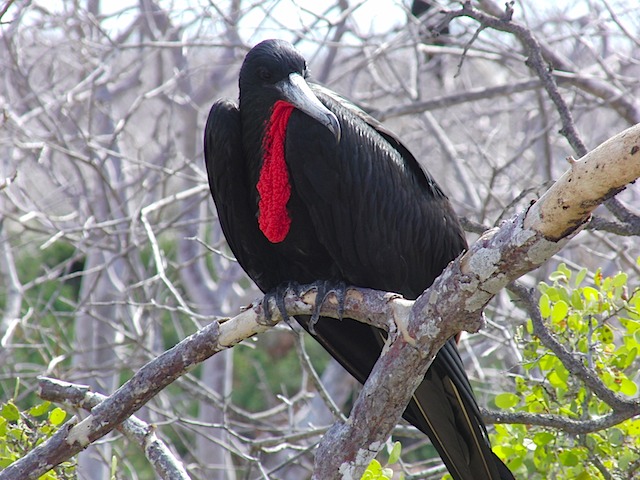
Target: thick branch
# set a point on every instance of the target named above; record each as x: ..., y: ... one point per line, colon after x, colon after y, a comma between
x: 598, y: 176
x: 164, y: 462
x: 457, y: 298
x: 567, y: 425
x: 381, y: 309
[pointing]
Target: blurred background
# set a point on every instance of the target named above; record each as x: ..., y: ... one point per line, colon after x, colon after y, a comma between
x: 110, y: 250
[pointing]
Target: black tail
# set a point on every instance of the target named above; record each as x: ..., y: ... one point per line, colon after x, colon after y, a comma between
x: 444, y: 408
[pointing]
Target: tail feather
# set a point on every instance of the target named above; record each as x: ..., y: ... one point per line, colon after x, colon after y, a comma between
x: 445, y: 409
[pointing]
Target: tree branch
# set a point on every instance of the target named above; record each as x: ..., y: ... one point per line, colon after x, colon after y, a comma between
x: 567, y: 425
x: 457, y: 298
x: 164, y: 462
x: 417, y: 330
x: 535, y: 61
x: 377, y: 308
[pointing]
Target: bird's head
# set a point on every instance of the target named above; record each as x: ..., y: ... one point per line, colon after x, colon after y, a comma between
x: 274, y: 70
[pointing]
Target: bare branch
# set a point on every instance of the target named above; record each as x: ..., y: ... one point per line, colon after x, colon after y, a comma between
x: 457, y: 298
x: 164, y: 462
x: 535, y: 61
x: 378, y: 308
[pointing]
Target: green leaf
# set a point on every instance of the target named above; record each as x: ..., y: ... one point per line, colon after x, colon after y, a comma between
x: 590, y: 294
x: 39, y: 409
x: 506, y: 400
x: 545, y: 305
x: 375, y: 472
x: 559, y: 311
x: 17, y: 433
x: 548, y: 362
x: 57, y: 416
x: 560, y: 275
x: 554, y: 293
x: 631, y: 356
x: 569, y: 458
x: 543, y: 287
x: 615, y: 436
x: 633, y: 427
x: 580, y: 277
x: 394, y: 455
x: 10, y: 412
x: 542, y: 438
x: 606, y: 334
x: 529, y: 326
x: 620, y: 279
x: 628, y: 387
x: 556, y: 381
x: 576, y: 300
x: 630, y: 325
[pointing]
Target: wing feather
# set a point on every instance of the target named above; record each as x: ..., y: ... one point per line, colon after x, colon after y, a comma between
x: 228, y: 182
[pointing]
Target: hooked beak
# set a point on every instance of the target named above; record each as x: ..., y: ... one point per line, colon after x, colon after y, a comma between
x: 297, y: 92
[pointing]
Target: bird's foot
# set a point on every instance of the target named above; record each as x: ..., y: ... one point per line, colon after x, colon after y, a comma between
x: 325, y: 288
x: 278, y: 297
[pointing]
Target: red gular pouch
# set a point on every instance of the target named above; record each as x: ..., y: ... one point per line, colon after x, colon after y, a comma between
x: 273, y: 186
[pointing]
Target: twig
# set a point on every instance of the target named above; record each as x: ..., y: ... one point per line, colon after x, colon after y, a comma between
x: 535, y: 61
x: 14, y: 291
x: 575, y: 366
x: 79, y: 396
x: 157, y: 254
x: 445, y: 101
x: 315, y: 379
x: 5, y: 9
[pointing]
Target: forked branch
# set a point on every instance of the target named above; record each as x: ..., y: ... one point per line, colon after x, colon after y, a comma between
x: 417, y: 330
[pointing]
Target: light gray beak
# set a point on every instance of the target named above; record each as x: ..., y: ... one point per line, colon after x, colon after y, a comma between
x: 296, y: 91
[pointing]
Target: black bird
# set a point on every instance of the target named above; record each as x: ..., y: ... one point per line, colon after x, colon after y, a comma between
x: 310, y: 188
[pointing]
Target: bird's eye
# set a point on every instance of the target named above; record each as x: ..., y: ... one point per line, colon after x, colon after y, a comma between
x: 264, y: 73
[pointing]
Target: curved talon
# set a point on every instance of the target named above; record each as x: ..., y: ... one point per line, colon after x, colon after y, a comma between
x: 278, y: 296
x: 324, y: 289
x: 340, y: 289
x: 321, y: 294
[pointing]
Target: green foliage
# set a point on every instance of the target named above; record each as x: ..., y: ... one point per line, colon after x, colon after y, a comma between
x: 48, y: 304
x: 376, y: 471
x: 598, y: 323
x: 21, y: 432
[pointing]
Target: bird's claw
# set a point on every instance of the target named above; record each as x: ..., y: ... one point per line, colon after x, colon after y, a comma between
x: 278, y: 296
x: 324, y: 289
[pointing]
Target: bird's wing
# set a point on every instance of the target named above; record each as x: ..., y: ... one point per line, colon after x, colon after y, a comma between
x: 228, y: 182
x: 375, y: 210
x: 372, y: 206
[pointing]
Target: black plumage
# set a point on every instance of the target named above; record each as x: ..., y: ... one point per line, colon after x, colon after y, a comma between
x: 360, y: 210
